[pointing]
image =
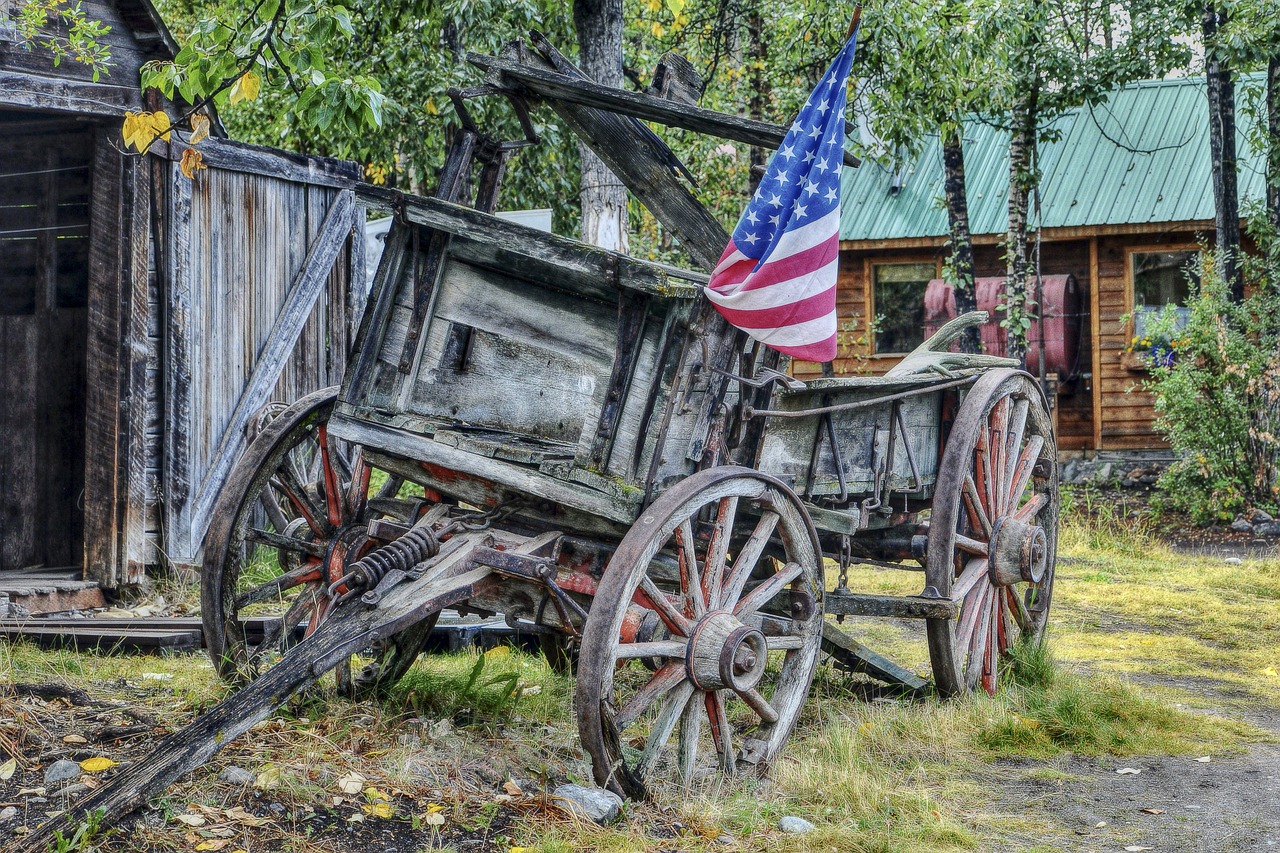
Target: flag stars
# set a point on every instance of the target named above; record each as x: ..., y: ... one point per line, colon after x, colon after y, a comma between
x: 775, y: 219
x: 810, y: 188
x: 822, y: 165
x: 751, y: 238
x: 775, y: 200
x: 824, y: 106
x: 752, y: 216
x: 815, y: 132
x: 799, y: 209
x: 832, y: 194
x: 808, y: 157
x: 788, y: 151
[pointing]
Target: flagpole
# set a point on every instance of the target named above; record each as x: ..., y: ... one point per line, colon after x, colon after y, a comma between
x: 853, y: 24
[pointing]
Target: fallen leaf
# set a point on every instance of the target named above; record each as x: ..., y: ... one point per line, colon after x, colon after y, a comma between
x: 356, y: 818
x: 74, y: 739
x: 503, y: 798
x: 352, y: 783
x: 1271, y: 671
x: 433, y: 819
x: 531, y: 690
x: 1205, y: 759
x: 158, y: 676
x: 1152, y: 811
x: 512, y: 788
x: 1134, y: 848
x: 269, y: 778
x: 190, y: 819
x: 379, y: 809
x: 213, y: 844
x: 1128, y: 771
x: 31, y: 792
x: 1100, y: 824
x: 239, y: 815
x: 96, y: 764
x: 337, y: 801
x: 199, y: 128
x: 374, y: 794
x: 8, y: 769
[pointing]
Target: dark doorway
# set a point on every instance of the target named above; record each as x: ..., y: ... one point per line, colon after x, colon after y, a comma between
x: 45, y: 191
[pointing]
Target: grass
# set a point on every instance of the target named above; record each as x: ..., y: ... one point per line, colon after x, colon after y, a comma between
x: 1141, y: 641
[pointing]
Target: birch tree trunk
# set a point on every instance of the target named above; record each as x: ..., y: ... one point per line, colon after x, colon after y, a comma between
x: 598, y: 24
x: 1022, y: 142
x: 1222, y: 152
x: 961, y: 239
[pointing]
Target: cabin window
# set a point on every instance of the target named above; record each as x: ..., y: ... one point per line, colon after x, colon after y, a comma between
x: 898, y: 299
x: 1160, y: 279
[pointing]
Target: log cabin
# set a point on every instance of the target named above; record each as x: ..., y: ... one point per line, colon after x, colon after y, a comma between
x: 1125, y: 205
x: 145, y: 318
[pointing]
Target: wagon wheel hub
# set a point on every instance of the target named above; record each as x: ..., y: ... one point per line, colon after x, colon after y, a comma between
x: 723, y: 653
x: 1019, y: 552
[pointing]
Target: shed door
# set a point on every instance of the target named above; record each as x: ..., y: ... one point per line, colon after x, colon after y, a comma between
x: 265, y: 288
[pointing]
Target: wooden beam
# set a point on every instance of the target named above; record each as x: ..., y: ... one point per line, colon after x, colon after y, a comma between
x: 272, y: 162
x: 306, y: 288
x: 852, y: 655
x: 1095, y: 342
x: 889, y: 606
x: 34, y: 92
x: 561, y: 87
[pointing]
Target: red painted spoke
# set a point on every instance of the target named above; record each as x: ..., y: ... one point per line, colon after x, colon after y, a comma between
x: 1005, y: 628
x: 981, y: 638
x: 983, y: 471
x: 1032, y: 508
x: 718, y: 550
x: 358, y: 491
x: 975, y: 571
x: 668, y: 676
x: 657, y: 601
x: 721, y: 731
x: 765, y: 592
x: 978, y: 518
x: 969, y: 614
x: 655, y: 649
x: 690, y: 578
x: 999, y: 421
x: 1022, y: 472
x: 971, y: 546
x: 1013, y: 444
x: 331, y: 481
x: 663, y: 725
x: 759, y: 704
x: 989, y: 656
x: 747, y: 558
x: 271, y: 589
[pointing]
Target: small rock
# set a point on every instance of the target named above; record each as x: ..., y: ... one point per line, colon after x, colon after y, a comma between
x: 1271, y: 528
x: 277, y: 808
x: 74, y: 790
x: 1148, y: 479
x: 233, y: 775
x: 597, y: 804
x: 724, y: 839
x: 8, y: 814
x: 1259, y: 516
x: 1241, y: 526
x: 1233, y: 561
x: 795, y: 825
x: 1103, y: 474
x: 1129, y: 483
x: 61, y: 771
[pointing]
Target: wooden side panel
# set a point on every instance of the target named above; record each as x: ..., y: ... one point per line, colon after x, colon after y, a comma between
x: 127, y: 55
x: 259, y: 294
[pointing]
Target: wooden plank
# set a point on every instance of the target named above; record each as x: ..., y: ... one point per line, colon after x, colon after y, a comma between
x: 1095, y: 330
x: 41, y: 92
x: 109, y: 639
x: 303, y: 292
x: 851, y: 654
x: 259, y: 160
x: 889, y: 606
x: 554, y: 86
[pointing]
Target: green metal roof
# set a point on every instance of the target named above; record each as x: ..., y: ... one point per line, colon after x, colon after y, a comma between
x: 1141, y: 157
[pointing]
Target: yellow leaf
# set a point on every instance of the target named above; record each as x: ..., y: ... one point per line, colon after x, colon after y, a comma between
x: 432, y: 109
x: 246, y: 87
x: 268, y: 778
x: 434, y: 808
x: 192, y: 161
x: 136, y: 131
x: 374, y: 794
x: 96, y: 765
x: 8, y: 769
x: 160, y: 125
x: 212, y: 844
x: 498, y: 652
x: 378, y: 810
x: 199, y: 128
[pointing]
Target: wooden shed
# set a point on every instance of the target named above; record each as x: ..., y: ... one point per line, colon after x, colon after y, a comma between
x: 1126, y: 203
x: 145, y: 318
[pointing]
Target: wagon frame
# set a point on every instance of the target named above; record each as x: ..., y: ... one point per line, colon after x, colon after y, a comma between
x: 575, y: 439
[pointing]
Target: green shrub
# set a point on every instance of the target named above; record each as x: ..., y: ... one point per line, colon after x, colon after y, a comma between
x: 1218, y: 403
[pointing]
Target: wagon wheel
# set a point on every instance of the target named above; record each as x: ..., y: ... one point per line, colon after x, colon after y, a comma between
x: 993, y: 530
x: 293, y: 515
x: 707, y: 622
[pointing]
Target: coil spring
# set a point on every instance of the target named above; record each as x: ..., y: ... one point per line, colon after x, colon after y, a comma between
x: 417, y: 545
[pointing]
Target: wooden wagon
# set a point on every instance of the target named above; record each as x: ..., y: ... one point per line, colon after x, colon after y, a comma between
x: 574, y: 439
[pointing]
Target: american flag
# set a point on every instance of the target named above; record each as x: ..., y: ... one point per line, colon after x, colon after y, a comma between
x: 777, y: 277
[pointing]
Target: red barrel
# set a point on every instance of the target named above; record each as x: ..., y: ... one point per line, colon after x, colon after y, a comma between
x: 1059, y: 324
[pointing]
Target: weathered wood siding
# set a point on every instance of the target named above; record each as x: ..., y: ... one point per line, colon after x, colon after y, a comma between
x: 257, y: 274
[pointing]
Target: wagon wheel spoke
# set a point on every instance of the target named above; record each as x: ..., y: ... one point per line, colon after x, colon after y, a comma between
x: 296, y: 492
x: 274, y: 639
x: 978, y: 645
x: 721, y: 730
x: 1018, y: 609
x: 759, y: 704
x: 1032, y: 508
x: 784, y: 643
x: 358, y: 490
x: 1013, y: 446
x: 690, y: 576
x: 767, y: 591
x: 287, y: 543
x: 309, y: 573
x: 747, y: 558
x: 654, y: 649
x: 975, y: 571
x: 999, y: 430
x: 690, y: 730
x: 270, y: 503
x: 667, y: 677
x: 978, y: 518
x: 1021, y: 475
x: 658, y: 601
x: 330, y: 480
x: 718, y: 550
x: 663, y: 725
